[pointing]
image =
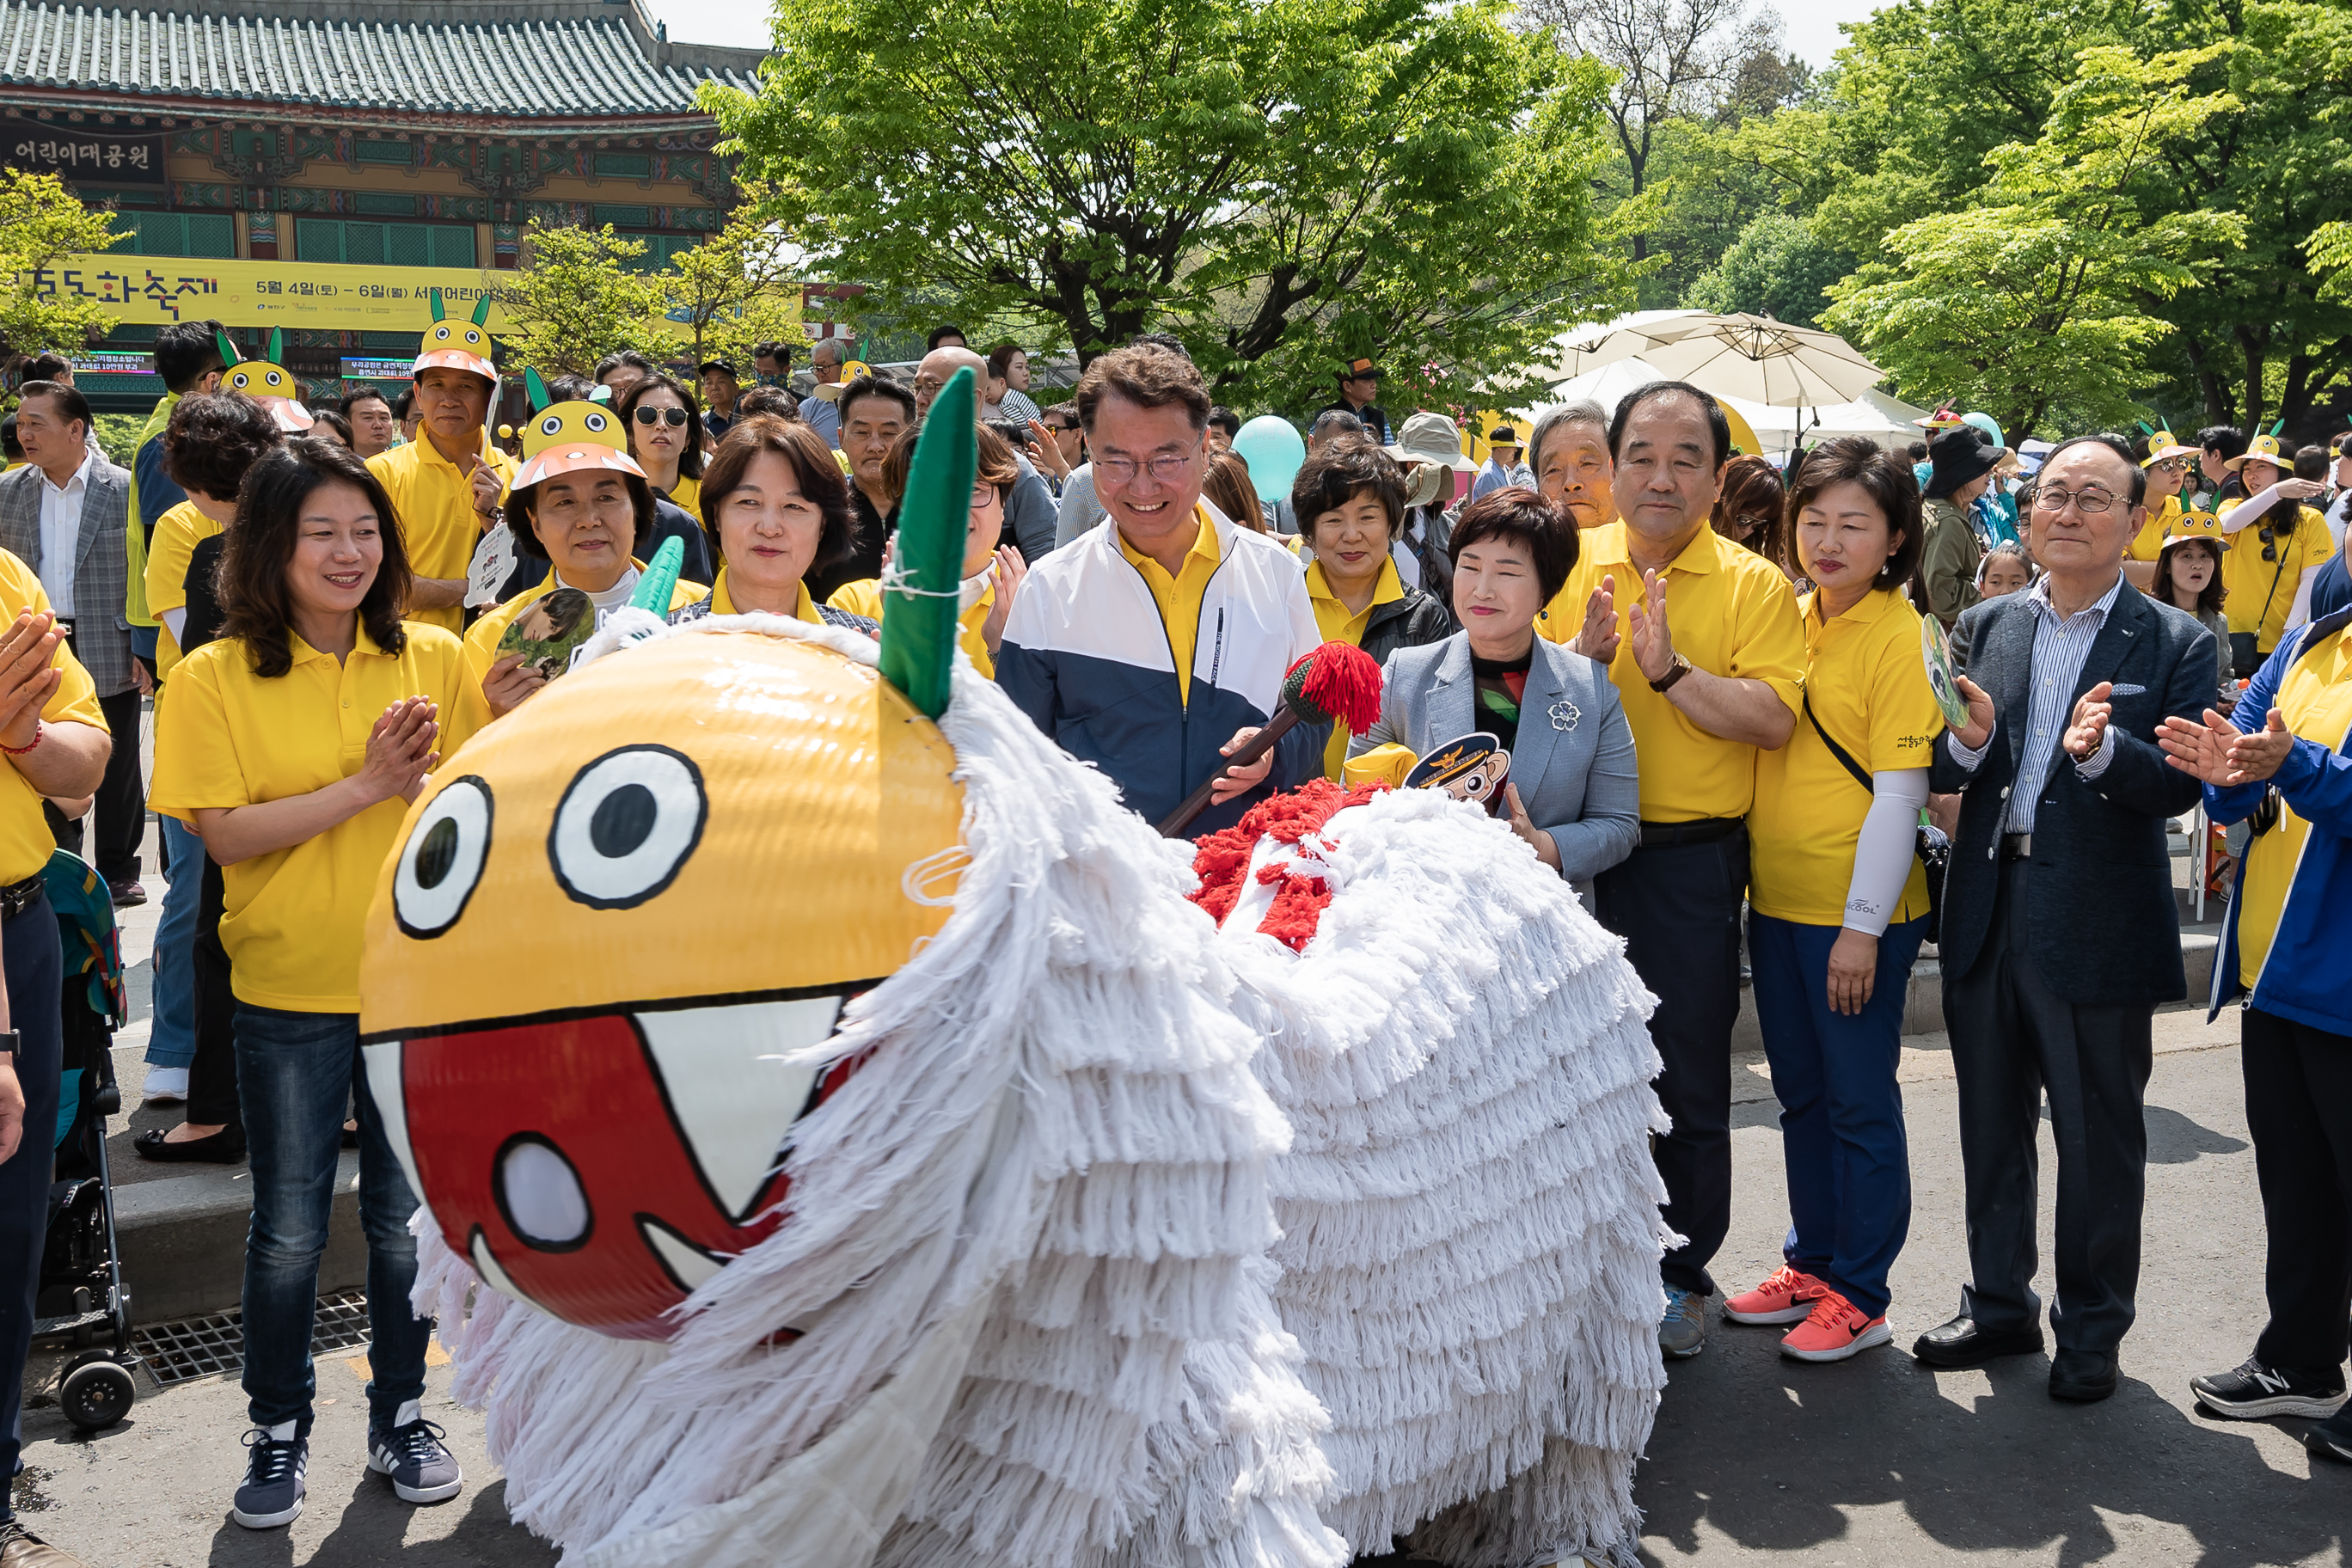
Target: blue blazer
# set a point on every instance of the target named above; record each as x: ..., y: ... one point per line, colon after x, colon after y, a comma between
x: 1573, y: 761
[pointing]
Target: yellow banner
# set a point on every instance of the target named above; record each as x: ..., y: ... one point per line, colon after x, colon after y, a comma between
x: 155, y: 291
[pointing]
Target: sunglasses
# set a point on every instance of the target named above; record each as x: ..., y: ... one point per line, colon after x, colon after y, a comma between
x: 2270, y: 543
x: 661, y: 415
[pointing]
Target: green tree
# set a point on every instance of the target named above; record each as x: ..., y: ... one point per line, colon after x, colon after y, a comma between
x: 1778, y: 267
x: 1284, y: 183
x: 737, y: 288
x: 41, y: 224
x: 579, y: 299
x: 2033, y: 291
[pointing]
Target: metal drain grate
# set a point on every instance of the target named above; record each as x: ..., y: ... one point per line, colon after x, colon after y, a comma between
x: 204, y: 1347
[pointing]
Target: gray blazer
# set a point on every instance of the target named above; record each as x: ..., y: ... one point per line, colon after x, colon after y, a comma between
x: 1573, y: 762
x: 102, y: 635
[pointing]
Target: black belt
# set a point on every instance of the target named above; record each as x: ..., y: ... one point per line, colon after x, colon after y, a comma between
x: 2017, y: 847
x: 1706, y: 830
x: 15, y: 900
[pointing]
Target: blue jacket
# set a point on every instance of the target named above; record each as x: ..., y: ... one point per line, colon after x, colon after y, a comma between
x: 1086, y: 657
x: 2304, y: 978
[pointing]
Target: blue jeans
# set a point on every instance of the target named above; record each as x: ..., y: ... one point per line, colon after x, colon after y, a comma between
x: 172, y: 1033
x: 35, y: 979
x: 1849, y: 1165
x: 295, y: 1071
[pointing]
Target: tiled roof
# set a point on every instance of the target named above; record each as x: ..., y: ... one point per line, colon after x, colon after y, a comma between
x: 590, y: 67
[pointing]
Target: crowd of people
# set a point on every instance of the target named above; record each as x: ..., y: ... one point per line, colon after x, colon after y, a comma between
x: 1701, y: 671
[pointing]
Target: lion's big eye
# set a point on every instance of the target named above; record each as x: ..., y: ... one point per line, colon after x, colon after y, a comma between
x: 626, y: 823
x: 550, y: 425
x: 442, y: 862
x: 593, y: 420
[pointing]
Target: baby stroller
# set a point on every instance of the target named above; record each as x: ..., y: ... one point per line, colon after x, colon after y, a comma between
x: 83, y: 1304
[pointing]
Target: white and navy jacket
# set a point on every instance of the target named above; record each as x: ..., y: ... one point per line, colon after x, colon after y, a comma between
x: 1086, y: 657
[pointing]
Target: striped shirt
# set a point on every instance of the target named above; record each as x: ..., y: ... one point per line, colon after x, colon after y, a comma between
x: 2060, y: 644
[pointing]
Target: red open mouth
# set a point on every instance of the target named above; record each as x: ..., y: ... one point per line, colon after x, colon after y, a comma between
x: 602, y: 1166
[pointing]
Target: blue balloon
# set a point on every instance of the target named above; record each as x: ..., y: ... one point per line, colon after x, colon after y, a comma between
x: 1272, y: 448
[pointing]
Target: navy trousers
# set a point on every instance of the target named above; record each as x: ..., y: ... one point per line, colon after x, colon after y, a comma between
x: 1849, y: 1167
x: 35, y: 963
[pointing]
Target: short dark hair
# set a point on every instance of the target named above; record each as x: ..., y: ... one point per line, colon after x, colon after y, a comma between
x: 780, y: 353
x: 1226, y: 419
x: 213, y: 440
x: 1717, y: 426
x: 813, y: 467
x: 47, y: 368
x: 332, y: 419
x: 690, y: 461
x: 1858, y: 459
x: 1169, y: 340
x: 2227, y: 440
x: 566, y: 387
x: 71, y: 403
x: 2311, y: 462
x: 1516, y: 512
x: 255, y: 607
x: 187, y: 353
x: 353, y: 399
x: 1148, y: 375
x: 870, y: 386
x: 1918, y: 451
x: 404, y: 407
x: 941, y: 333
x: 8, y: 442
x: 1338, y: 472
x: 1334, y: 421
x: 775, y: 402
x: 630, y: 357
x: 2112, y: 443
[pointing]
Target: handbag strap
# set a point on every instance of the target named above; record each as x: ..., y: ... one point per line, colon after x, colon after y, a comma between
x: 1860, y: 776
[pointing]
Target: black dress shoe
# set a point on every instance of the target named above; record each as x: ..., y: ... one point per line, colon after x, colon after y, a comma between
x: 1965, y: 1342
x: 2083, y: 1378
x: 226, y: 1147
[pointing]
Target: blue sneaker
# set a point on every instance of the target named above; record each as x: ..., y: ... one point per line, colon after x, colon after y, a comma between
x: 411, y: 1452
x: 1682, y: 1332
x: 272, y: 1493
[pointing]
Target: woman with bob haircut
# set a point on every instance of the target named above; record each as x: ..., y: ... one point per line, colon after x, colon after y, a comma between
x: 776, y: 509
x: 1570, y: 788
x: 292, y: 745
x: 992, y: 570
x: 1838, y: 901
x: 1349, y: 501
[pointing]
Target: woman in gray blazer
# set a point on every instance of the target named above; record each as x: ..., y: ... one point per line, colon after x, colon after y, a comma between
x: 1570, y: 789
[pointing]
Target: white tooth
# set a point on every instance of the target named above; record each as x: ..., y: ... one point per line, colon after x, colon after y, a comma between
x: 391, y: 1107
x: 734, y: 1103
x: 688, y: 1264
x: 492, y: 1275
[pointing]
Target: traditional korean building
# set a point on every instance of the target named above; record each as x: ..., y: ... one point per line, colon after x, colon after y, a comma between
x: 286, y: 163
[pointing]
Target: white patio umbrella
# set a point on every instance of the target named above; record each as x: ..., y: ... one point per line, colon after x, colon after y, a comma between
x: 1581, y: 350
x: 1763, y: 361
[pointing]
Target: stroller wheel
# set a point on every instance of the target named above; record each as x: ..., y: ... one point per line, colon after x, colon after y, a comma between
x: 96, y: 1395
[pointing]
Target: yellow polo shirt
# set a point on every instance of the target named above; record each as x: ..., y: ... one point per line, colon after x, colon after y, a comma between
x: 2261, y: 591
x: 1334, y: 622
x: 1869, y: 690
x: 1179, y: 597
x: 2161, y: 520
x: 230, y: 738
x: 1732, y: 615
x: 482, y: 636
x: 864, y: 597
x: 25, y: 837
x: 723, y: 604
x: 2315, y: 702
x: 177, y: 533
x: 687, y: 494
x: 437, y: 520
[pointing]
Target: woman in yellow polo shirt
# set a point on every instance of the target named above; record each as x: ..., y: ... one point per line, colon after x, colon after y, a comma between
x: 1348, y: 498
x: 292, y: 745
x: 1838, y: 902
x: 2277, y: 546
x: 776, y: 507
x: 991, y: 570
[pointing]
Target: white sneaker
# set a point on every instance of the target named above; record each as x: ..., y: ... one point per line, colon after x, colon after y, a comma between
x: 165, y: 1086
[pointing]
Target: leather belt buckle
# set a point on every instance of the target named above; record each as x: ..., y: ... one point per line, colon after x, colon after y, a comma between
x: 15, y: 899
x: 2017, y: 847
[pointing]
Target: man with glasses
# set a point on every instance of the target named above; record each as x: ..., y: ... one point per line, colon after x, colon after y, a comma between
x: 2060, y: 932
x: 1154, y: 647
x: 823, y: 415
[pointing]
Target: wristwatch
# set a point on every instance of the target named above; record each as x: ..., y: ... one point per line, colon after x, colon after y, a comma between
x: 8, y: 1043
x: 1665, y: 682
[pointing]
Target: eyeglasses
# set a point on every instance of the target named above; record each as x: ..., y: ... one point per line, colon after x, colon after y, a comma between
x: 2090, y: 503
x: 984, y: 495
x: 1166, y: 468
x: 661, y: 415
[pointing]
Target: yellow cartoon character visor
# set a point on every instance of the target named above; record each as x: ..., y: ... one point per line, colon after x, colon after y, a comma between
x: 458, y: 345
x: 567, y: 437
x: 2262, y: 450
x: 267, y: 380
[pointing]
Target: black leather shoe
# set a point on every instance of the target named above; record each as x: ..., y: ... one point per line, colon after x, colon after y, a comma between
x: 2083, y: 1378
x: 1962, y: 1343
x: 226, y: 1147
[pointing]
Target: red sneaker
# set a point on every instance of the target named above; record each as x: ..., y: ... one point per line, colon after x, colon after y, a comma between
x: 1836, y: 1330
x: 1788, y: 1297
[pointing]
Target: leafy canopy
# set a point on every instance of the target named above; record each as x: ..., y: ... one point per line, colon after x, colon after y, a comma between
x: 579, y: 300
x: 739, y: 288
x: 41, y: 224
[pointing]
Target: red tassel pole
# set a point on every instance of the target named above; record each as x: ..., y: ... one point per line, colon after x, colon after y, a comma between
x: 1335, y: 680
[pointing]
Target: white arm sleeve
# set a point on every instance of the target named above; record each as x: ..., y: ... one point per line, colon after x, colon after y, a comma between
x: 2252, y: 510
x: 2300, y: 611
x: 175, y: 621
x: 1889, y: 843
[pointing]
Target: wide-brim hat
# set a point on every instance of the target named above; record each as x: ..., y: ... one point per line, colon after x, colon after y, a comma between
x: 1942, y: 419
x: 1431, y: 438
x: 572, y: 458
x: 2188, y: 532
x: 454, y: 359
x: 1957, y: 457
x: 573, y: 437
x: 2163, y: 443
x: 2261, y: 450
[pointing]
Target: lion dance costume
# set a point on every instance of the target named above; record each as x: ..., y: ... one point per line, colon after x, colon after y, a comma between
x: 843, y: 1138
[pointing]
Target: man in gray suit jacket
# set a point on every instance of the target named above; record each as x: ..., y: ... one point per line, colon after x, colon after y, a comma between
x: 64, y: 514
x: 2060, y: 932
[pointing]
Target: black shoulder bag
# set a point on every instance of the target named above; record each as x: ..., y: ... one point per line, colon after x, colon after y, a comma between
x: 1934, y: 850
